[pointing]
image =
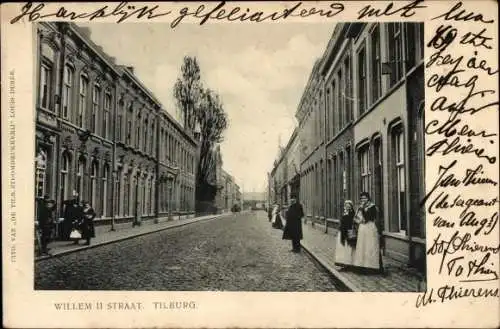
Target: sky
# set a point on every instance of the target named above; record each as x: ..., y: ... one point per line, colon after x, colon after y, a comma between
x: 259, y: 71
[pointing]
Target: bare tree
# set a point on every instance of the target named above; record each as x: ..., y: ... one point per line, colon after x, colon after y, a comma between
x: 202, y: 106
x: 213, y: 122
x: 187, y: 91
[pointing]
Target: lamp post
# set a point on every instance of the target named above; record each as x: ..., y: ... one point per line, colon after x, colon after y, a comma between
x: 169, y: 188
x: 113, y: 201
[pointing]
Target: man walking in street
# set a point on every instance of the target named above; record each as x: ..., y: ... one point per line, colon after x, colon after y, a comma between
x: 293, y: 226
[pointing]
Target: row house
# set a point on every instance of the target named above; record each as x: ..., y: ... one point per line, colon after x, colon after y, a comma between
x: 102, y: 136
x: 228, y: 192
x: 284, y: 178
x: 310, y: 117
x: 361, y: 121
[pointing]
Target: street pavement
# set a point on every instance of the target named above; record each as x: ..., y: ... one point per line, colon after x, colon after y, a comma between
x: 239, y: 252
x: 398, y: 278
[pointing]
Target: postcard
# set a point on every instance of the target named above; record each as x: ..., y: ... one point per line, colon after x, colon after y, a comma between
x: 326, y: 164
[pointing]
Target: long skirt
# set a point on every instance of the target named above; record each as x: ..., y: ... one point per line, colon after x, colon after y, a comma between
x: 367, y: 254
x: 277, y: 223
x: 344, y: 253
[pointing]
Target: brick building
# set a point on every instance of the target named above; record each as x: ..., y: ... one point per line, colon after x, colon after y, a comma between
x: 102, y: 135
x: 360, y: 126
x: 284, y: 178
x: 228, y: 192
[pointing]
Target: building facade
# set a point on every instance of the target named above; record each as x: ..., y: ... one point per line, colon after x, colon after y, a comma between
x: 284, y: 179
x: 228, y: 192
x: 102, y: 136
x: 360, y: 125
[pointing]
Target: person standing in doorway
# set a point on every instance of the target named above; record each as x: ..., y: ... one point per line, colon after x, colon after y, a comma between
x: 46, y: 221
x: 293, y: 226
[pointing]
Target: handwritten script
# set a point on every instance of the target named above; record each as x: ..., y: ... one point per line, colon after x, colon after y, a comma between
x: 462, y: 202
x: 204, y: 13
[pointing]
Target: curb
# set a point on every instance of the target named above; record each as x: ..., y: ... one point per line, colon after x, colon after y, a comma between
x: 346, y: 282
x: 103, y: 243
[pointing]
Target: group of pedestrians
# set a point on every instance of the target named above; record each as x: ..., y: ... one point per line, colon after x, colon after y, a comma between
x: 359, y: 240
x: 292, y: 230
x: 78, y: 222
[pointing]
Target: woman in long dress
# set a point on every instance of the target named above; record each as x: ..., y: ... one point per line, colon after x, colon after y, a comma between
x: 345, y: 247
x: 367, y: 255
x: 276, y: 221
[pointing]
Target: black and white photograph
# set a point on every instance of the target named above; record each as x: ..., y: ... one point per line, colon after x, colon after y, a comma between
x: 294, y: 164
x: 276, y: 157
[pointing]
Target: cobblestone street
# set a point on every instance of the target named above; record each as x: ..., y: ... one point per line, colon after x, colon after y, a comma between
x: 234, y: 253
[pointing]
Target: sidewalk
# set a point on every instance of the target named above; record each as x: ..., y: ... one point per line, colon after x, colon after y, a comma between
x: 122, y: 232
x: 321, y: 246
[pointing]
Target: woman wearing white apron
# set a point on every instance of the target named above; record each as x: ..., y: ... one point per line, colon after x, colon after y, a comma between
x: 367, y: 255
x: 346, y: 245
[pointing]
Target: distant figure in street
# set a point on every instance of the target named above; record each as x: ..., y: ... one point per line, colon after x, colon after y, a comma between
x: 346, y: 238
x: 270, y: 213
x: 293, y: 225
x: 45, y: 221
x: 276, y: 220
x: 367, y: 255
x: 87, y: 223
x: 72, y: 214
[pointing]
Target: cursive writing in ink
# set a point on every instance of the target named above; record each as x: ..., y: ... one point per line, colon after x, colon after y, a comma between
x: 405, y: 11
x: 219, y: 12
x: 456, y: 15
x: 123, y: 10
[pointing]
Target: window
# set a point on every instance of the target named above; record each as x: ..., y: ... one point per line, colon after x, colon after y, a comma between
x: 375, y: 64
x: 364, y: 164
x: 348, y: 90
x: 144, y: 195
x: 328, y: 113
x: 414, y: 36
x: 395, y: 52
x: 65, y: 165
x: 67, y: 91
x: 126, y: 194
x: 40, y: 173
x: 378, y: 180
x: 340, y: 109
x: 93, y: 184
x: 96, y: 97
x: 119, y: 123
x: 362, y: 95
x: 105, y: 119
x: 79, y: 178
x: 399, y: 178
x: 118, y: 191
x: 152, y: 140
x: 334, y: 108
x: 45, y: 85
x: 128, y: 140
x: 82, y: 99
x: 138, y: 131
x: 152, y: 196
x: 145, y: 140
x: 105, y: 175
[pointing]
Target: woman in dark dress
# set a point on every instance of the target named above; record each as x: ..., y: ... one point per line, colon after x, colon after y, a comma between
x: 72, y: 215
x: 346, y: 244
x: 87, y: 224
